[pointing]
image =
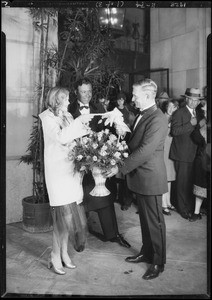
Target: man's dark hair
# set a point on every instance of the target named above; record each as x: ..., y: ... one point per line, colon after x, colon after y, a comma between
x: 82, y: 81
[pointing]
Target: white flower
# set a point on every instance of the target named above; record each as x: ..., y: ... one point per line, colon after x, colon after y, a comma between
x: 107, y: 131
x: 83, y: 168
x: 85, y: 139
x: 125, y: 154
x: 112, y: 162
x: 95, y: 145
x: 112, y: 137
x: 104, y: 147
x: 99, y: 135
x: 79, y: 157
x: 120, y: 147
x: 95, y: 158
x: 117, y: 154
x: 103, y: 153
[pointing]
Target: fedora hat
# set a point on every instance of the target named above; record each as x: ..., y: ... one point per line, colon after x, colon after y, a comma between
x: 164, y: 96
x: 192, y: 93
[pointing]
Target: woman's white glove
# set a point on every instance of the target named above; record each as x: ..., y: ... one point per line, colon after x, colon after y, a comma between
x: 116, y: 117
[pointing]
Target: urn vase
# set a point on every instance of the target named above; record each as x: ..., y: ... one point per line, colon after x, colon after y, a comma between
x: 100, y: 189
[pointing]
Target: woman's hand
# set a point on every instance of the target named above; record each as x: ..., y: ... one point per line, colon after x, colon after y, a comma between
x: 85, y: 119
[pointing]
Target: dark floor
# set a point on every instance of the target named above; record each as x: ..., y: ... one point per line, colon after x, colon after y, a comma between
x: 101, y: 267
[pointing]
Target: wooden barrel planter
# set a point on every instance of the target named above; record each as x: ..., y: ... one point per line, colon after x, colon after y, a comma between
x: 36, y: 216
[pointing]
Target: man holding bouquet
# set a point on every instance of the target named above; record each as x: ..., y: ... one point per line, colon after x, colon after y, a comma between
x: 104, y: 206
x: 146, y: 176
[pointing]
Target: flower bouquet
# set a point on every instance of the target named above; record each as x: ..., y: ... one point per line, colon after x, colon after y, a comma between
x: 98, y: 152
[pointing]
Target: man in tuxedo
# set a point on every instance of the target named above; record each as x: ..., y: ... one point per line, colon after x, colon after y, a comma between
x: 104, y: 206
x: 183, y: 151
x: 146, y: 176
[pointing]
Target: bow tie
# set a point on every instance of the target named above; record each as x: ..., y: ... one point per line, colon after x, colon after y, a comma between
x: 150, y: 109
x: 83, y: 106
x: 141, y: 113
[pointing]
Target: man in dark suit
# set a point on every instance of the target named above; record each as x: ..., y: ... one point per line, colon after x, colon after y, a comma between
x: 146, y: 176
x: 104, y: 206
x: 183, y: 151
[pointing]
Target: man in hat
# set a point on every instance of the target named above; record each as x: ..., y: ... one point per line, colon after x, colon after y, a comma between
x: 183, y: 150
x: 162, y: 98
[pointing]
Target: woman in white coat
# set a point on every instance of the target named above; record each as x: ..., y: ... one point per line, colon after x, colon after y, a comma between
x: 63, y: 184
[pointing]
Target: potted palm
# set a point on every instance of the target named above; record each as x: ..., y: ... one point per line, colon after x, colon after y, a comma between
x: 36, y: 209
x: 87, y: 51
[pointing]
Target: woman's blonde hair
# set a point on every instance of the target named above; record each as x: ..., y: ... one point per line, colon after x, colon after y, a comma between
x: 55, y: 98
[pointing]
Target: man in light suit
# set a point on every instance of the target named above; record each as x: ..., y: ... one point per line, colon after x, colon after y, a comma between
x: 183, y: 151
x: 146, y: 176
x: 104, y: 206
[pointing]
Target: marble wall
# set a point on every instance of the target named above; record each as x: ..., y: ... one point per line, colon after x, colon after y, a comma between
x: 178, y: 42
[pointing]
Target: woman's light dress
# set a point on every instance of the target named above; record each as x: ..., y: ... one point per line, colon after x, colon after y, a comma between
x: 63, y: 185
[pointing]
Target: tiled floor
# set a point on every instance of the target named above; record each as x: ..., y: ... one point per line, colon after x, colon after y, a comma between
x: 101, y: 268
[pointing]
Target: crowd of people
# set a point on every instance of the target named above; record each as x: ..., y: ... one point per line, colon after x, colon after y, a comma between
x: 168, y: 148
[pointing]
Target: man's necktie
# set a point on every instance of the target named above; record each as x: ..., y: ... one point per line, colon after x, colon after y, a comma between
x: 83, y: 106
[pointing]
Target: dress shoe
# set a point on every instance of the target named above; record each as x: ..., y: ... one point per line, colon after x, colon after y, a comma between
x: 124, y: 207
x: 171, y: 207
x: 190, y: 214
x: 69, y: 265
x: 137, y: 259
x: 166, y: 211
x: 195, y: 217
x: 203, y: 211
x: 79, y: 248
x: 185, y: 216
x: 57, y: 270
x: 153, y: 272
x: 121, y: 241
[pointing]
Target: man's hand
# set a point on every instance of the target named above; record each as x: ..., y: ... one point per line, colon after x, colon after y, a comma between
x: 110, y: 173
x: 202, y: 122
x: 193, y: 121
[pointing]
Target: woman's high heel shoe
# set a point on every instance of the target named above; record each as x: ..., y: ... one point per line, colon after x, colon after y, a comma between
x: 69, y: 265
x: 59, y: 271
x: 66, y: 262
x: 166, y: 211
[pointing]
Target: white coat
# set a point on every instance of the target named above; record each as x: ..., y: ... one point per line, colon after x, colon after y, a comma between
x: 63, y: 185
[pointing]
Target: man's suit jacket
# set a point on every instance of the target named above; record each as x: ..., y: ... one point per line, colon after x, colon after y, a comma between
x: 182, y: 147
x: 145, y: 168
